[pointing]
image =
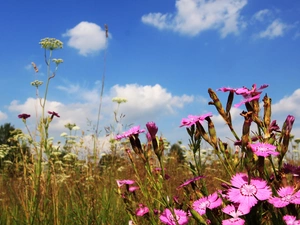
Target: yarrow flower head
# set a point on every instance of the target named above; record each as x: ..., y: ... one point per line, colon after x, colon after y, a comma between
x: 142, y: 210
x: 193, y: 119
x: 235, y: 213
x: 51, y: 43
x: 167, y: 218
x: 287, y: 195
x: 212, y: 201
x: 263, y: 149
x: 133, y: 131
x: 23, y: 116
x: 248, y: 193
x: 119, y: 100
x: 291, y: 220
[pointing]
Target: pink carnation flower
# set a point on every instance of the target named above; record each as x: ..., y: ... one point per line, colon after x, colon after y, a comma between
x: 287, y: 195
x: 120, y: 183
x: 263, y: 149
x: 291, y: 220
x: 212, y: 201
x: 193, y: 119
x: 142, y: 210
x: 132, y: 131
x: 167, y: 218
x: 248, y: 193
x: 235, y: 213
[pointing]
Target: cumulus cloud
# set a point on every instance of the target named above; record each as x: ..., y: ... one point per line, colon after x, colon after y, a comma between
x: 276, y: 29
x: 288, y: 104
x: 86, y: 37
x: 144, y: 103
x: 195, y: 16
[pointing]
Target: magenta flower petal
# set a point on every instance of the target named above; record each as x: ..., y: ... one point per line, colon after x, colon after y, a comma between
x: 287, y: 195
x: 23, y: 116
x: 212, y: 201
x: 189, y: 181
x: 152, y: 129
x: 142, y: 210
x: 120, y: 183
x: 291, y: 220
x: 167, y: 218
x: 248, y: 193
x: 132, y: 131
x: 263, y: 149
x: 193, y: 119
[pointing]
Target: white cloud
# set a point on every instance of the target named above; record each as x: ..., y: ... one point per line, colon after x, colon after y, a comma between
x: 275, y: 29
x: 195, y: 16
x: 145, y: 103
x: 288, y: 104
x: 3, y: 115
x: 86, y: 37
x: 261, y: 15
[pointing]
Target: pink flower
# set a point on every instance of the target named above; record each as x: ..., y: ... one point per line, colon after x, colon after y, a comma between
x: 122, y: 182
x: 193, y: 119
x: 142, y: 210
x: 263, y: 149
x: 24, y: 116
x: 248, y: 94
x: 152, y: 129
x: 167, y: 218
x: 212, y: 201
x: 133, y: 188
x: 291, y: 220
x: 287, y: 195
x: 189, y: 181
x: 235, y: 213
x: 248, y: 193
x: 53, y: 114
x: 132, y: 131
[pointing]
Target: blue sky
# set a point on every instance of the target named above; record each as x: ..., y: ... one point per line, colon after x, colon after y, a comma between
x: 161, y: 55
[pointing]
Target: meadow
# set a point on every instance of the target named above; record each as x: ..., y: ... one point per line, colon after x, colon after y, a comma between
x: 250, y: 181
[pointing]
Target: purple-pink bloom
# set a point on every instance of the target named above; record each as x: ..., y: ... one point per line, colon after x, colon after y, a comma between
x: 193, y: 119
x: 53, y: 114
x: 291, y: 220
x: 263, y: 149
x: 289, y: 123
x: 189, y: 181
x: 120, y: 183
x: 167, y: 218
x: 24, y: 116
x: 235, y: 213
x: 288, y: 168
x: 152, y: 129
x: 142, y: 210
x: 133, y: 188
x: 248, y: 193
x: 212, y: 201
x: 287, y: 195
x: 132, y: 131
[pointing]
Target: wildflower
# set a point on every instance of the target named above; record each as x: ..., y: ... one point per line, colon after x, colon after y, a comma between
x: 51, y: 43
x: 248, y: 94
x: 288, y: 168
x: 122, y: 182
x: 57, y: 61
x: 133, y: 188
x: 36, y: 83
x: 53, y: 114
x: 193, y: 119
x: 152, y: 128
x: 23, y: 116
x: 235, y: 213
x: 132, y: 131
x: 248, y: 193
x: 212, y: 201
x: 264, y: 149
x: 291, y: 220
x: 167, y: 218
x: 119, y: 100
x: 189, y: 181
x: 287, y: 195
x: 142, y: 210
